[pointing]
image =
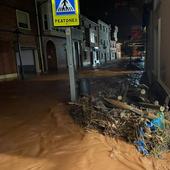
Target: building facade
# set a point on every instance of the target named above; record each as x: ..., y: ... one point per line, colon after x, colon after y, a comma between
x: 30, y: 44
x: 18, y: 39
x: 90, y: 42
x: 115, y: 46
x: 104, y: 41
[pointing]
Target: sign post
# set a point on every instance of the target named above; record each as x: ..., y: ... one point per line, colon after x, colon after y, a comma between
x: 66, y: 13
x: 71, y: 65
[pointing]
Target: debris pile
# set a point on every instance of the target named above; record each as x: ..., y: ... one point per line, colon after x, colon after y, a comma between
x: 140, y: 122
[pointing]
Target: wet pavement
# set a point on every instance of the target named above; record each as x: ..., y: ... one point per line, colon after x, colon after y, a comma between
x: 37, y: 133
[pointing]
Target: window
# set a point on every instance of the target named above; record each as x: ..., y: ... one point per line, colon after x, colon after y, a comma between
x: 92, y: 37
x: 95, y: 37
x: 97, y: 55
x: 63, y: 30
x: 56, y: 29
x: 104, y: 43
x: 45, y: 22
x: 100, y: 27
x: 105, y: 56
x: 82, y: 22
x: 78, y: 27
x: 85, y: 55
x: 23, y: 19
x: 59, y: 29
x: 104, y: 28
x: 102, y: 55
x: 89, y: 25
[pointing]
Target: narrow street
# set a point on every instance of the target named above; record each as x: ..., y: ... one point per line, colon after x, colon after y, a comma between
x: 37, y: 132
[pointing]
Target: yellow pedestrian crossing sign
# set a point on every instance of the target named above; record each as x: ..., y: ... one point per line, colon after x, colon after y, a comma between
x: 65, y: 12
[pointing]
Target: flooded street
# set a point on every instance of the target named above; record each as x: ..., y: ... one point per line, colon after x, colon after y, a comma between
x: 37, y: 133
x: 84, y: 86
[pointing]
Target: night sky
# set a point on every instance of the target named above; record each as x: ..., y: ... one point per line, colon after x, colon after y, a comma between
x: 96, y: 9
x: 123, y: 13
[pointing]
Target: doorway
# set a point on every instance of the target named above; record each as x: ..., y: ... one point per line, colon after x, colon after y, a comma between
x: 51, y: 56
x: 28, y: 63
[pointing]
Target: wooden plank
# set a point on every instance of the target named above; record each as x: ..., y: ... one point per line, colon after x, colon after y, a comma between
x: 124, y: 106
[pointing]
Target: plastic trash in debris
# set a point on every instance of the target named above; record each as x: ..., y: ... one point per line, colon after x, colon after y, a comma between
x: 143, y: 92
x: 157, y: 123
x: 141, y: 147
x: 151, y: 126
x: 160, y: 121
x: 140, y: 144
x: 141, y: 132
x: 156, y: 103
x: 120, y: 98
x: 162, y: 109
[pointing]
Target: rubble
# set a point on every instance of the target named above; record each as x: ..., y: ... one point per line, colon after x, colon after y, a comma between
x: 143, y: 124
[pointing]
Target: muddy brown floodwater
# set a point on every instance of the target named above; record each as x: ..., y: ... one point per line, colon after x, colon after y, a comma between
x: 37, y: 133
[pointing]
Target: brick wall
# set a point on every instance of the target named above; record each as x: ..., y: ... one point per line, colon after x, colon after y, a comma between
x: 8, y: 38
x: 7, y: 64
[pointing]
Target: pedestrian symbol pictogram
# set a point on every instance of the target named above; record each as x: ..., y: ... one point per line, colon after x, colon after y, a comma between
x: 65, y: 12
x: 65, y: 7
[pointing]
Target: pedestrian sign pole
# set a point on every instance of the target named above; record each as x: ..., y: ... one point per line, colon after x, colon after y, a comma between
x: 66, y: 14
x: 71, y: 65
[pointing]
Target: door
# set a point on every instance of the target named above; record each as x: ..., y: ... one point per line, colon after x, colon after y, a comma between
x: 28, y: 61
x: 91, y: 58
x: 51, y: 56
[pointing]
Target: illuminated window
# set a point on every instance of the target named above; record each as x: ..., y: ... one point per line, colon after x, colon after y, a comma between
x: 92, y: 37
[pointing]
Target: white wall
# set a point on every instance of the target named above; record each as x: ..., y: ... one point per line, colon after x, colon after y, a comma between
x: 104, y: 38
x: 158, y: 59
x: 93, y: 42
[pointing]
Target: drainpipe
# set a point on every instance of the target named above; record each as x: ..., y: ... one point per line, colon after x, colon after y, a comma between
x: 21, y: 70
x: 39, y: 37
